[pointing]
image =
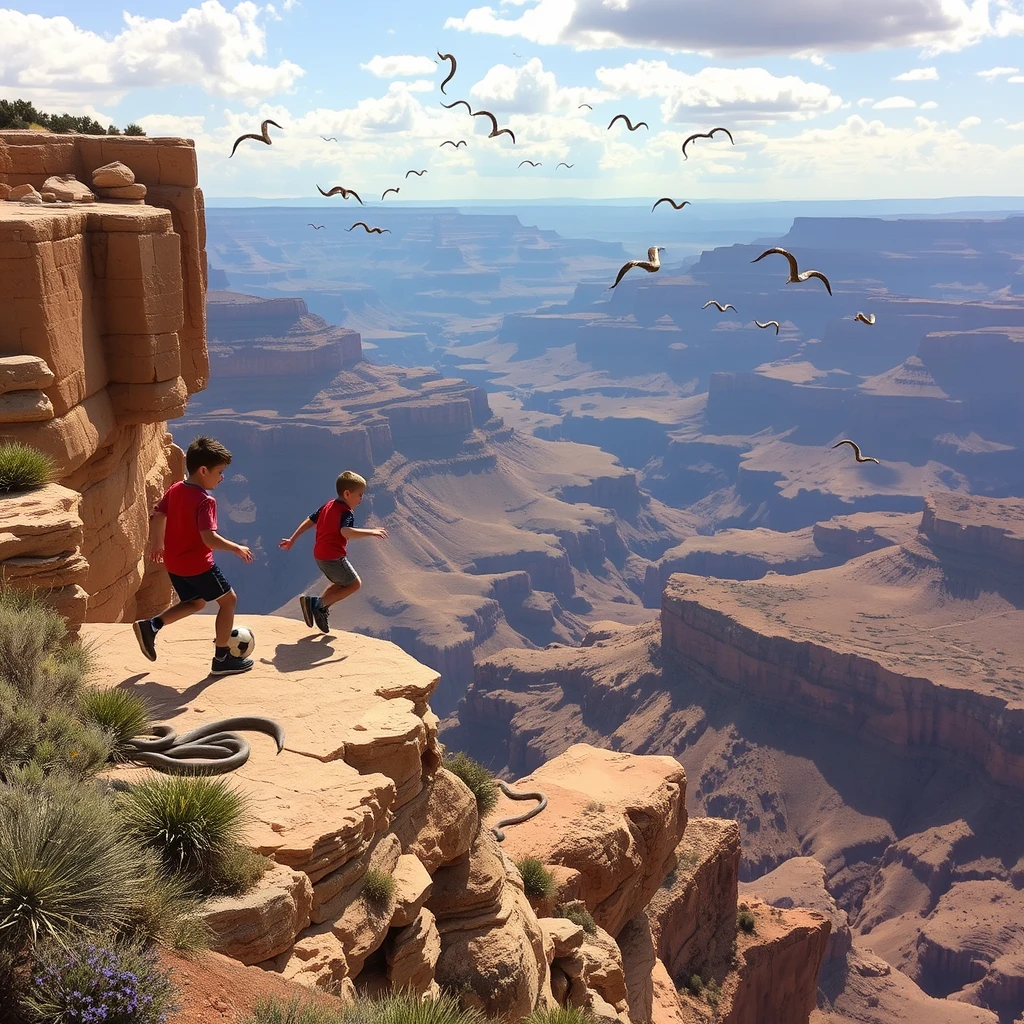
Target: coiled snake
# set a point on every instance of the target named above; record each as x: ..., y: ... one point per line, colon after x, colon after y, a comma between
x: 519, y: 818
x: 221, y: 751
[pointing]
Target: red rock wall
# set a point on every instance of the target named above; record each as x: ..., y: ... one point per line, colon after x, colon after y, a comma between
x: 111, y: 298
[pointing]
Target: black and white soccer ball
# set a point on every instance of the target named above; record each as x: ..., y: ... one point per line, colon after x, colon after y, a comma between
x: 241, y: 643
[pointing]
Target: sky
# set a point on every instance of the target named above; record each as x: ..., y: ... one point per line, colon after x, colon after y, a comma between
x: 825, y: 99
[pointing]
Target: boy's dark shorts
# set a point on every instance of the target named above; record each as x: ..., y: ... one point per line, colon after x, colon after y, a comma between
x: 208, y: 586
x: 338, y: 570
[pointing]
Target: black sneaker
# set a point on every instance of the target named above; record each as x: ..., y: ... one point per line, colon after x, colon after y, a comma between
x: 320, y: 616
x: 146, y: 635
x: 307, y: 612
x: 230, y: 666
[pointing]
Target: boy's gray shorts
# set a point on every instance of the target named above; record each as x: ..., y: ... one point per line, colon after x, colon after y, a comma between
x: 338, y: 570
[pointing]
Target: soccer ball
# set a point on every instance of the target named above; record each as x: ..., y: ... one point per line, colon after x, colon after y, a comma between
x: 241, y: 643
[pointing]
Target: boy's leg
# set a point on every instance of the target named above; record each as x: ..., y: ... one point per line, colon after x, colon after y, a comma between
x: 146, y: 629
x: 336, y: 592
x: 225, y: 663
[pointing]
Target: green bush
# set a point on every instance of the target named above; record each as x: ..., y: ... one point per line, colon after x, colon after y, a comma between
x: 119, y: 713
x: 106, y: 980
x: 166, y: 909
x: 23, y: 467
x: 193, y: 822
x: 695, y: 984
x: 579, y: 915
x: 745, y: 920
x: 378, y: 889
x: 561, y: 1015
x: 537, y: 881
x: 295, y: 1011
x: 712, y: 993
x: 65, y: 868
x: 477, y: 777
x: 407, y: 1008
x: 133, y: 129
x: 238, y: 870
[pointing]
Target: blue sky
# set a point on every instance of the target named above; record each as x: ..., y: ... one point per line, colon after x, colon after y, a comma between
x: 825, y: 98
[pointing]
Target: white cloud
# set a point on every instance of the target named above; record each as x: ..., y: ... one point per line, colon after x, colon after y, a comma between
x: 1018, y: 127
x: 969, y: 122
x: 530, y: 89
x: 739, y: 27
x: 993, y: 73
x: 752, y: 94
x: 929, y: 105
x: 918, y: 75
x: 865, y: 101
x: 403, y: 66
x: 1016, y: 79
x: 894, y: 103
x: 172, y: 126
x: 208, y: 46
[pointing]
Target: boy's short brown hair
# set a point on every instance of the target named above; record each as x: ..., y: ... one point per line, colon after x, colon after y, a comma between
x: 205, y: 451
x: 349, y: 481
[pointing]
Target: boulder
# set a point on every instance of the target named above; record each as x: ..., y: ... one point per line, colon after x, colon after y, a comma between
x: 264, y: 921
x: 19, y: 192
x: 316, y: 959
x: 25, y: 407
x: 561, y: 936
x: 469, y: 892
x: 439, y: 823
x: 66, y: 188
x: 113, y: 175
x: 23, y: 373
x: 412, y: 889
x: 137, y: 191
x: 412, y: 953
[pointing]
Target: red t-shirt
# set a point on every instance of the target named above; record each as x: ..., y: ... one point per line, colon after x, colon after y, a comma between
x: 330, y: 519
x: 190, y: 509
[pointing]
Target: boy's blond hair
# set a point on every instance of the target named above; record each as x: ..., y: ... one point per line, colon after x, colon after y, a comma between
x: 350, y: 481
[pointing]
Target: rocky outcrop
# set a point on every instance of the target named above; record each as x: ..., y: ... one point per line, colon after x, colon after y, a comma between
x: 992, y: 528
x: 107, y: 300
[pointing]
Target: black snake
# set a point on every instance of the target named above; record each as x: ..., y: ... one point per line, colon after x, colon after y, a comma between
x: 519, y: 818
x: 222, y: 751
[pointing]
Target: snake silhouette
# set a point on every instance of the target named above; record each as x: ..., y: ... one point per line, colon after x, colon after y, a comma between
x: 518, y: 818
x: 208, y: 750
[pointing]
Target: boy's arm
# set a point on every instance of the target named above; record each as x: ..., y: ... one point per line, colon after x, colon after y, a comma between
x: 306, y: 524
x: 157, y: 530
x: 352, y: 533
x: 212, y: 539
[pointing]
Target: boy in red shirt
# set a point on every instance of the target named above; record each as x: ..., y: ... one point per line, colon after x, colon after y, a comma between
x: 183, y: 537
x: 335, y: 527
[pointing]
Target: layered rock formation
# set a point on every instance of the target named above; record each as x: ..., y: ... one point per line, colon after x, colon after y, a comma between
x: 105, y: 300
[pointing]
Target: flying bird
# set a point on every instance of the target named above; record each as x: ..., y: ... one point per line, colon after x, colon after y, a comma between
x: 564, y: 164
x: 419, y: 174
x: 386, y: 191
x: 331, y: 139
x: 866, y: 318
x: 672, y: 203
x: 530, y: 162
x: 794, y: 276
x: 519, y: 55
x: 587, y: 105
x: 856, y: 451
x: 771, y: 323
x: 495, y: 132
x: 448, y: 142
x: 345, y: 192
x: 705, y: 135
x: 370, y: 231
x: 316, y: 227
x: 629, y: 124
x: 651, y: 264
x: 451, y: 74
x: 262, y: 137
x: 450, y: 106
x: 721, y: 308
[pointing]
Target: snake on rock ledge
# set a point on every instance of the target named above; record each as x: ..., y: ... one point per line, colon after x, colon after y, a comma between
x: 519, y: 818
x: 222, y: 751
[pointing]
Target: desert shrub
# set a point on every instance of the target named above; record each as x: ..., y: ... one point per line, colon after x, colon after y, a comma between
x: 23, y: 467
x: 712, y: 993
x: 113, y: 982
x: 477, y: 777
x: 695, y: 984
x: 537, y: 881
x: 594, y: 807
x: 579, y: 915
x: 133, y: 129
x: 295, y: 1011
x: 65, y: 868
x: 166, y: 909
x: 118, y: 713
x: 561, y: 1015
x: 238, y: 870
x: 193, y: 822
x: 745, y: 920
x: 378, y: 888
x: 407, y: 1008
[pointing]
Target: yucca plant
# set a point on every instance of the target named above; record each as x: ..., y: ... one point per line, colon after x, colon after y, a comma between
x: 538, y: 882
x: 23, y: 467
x: 191, y: 821
x: 477, y: 777
x: 119, y: 713
x: 65, y: 867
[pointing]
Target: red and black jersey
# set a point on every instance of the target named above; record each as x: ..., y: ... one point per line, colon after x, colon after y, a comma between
x: 330, y: 520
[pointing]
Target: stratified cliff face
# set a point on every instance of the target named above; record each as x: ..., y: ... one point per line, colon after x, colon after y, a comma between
x: 101, y: 342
